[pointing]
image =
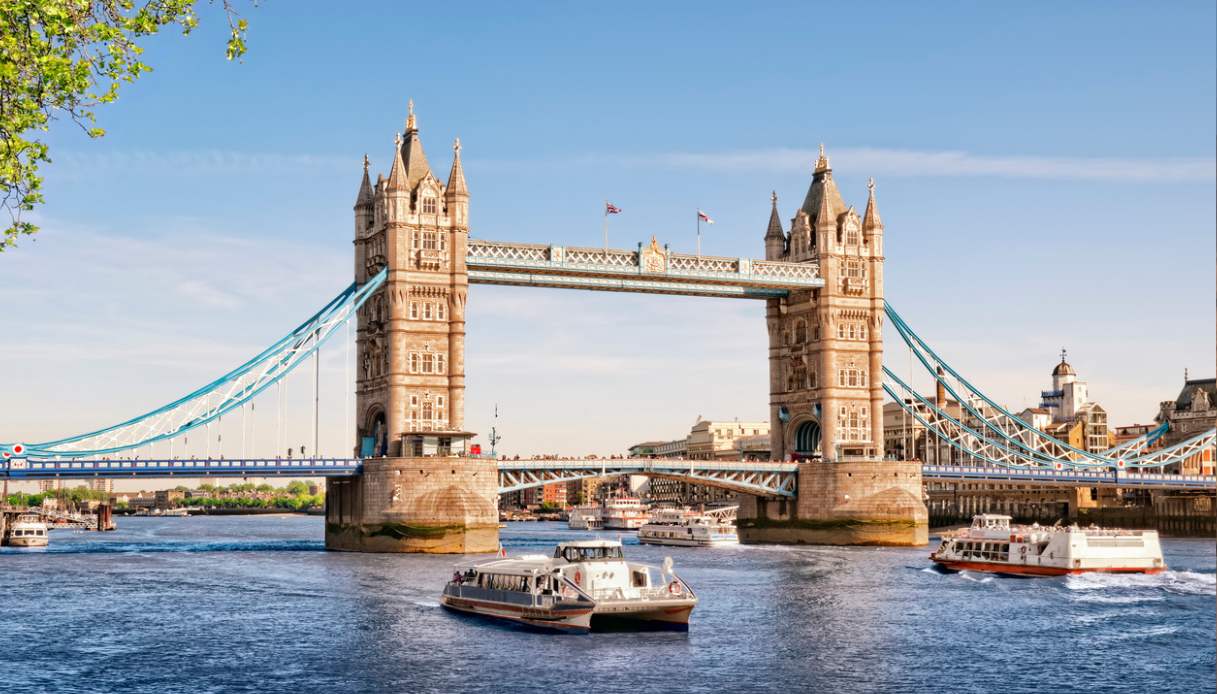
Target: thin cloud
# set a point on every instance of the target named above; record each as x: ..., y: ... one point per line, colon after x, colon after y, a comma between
x: 198, y: 162
x: 907, y: 162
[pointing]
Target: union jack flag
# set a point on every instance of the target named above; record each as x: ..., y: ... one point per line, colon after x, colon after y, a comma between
x: 610, y: 208
x: 704, y: 217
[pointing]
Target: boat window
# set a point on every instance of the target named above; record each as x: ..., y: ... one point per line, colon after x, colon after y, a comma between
x: 577, y: 554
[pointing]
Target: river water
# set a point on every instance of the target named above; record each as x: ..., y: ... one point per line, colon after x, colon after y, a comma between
x: 254, y: 604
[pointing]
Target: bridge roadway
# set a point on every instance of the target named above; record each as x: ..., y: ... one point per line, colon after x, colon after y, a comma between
x: 765, y: 478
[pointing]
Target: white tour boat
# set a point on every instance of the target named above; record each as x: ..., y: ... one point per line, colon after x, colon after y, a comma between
x: 992, y: 544
x: 588, y: 517
x: 624, y: 513
x: 28, y: 530
x: 583, y: 586
x: 685, y: 528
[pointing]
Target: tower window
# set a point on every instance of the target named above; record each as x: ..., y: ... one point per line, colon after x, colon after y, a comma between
x: 413, y: 310
x: 427, y: 311
x: 428, y: 205
x: 414, y: 360
x: 428, y: 240
x: 439, y: 363
x: 439, y: 311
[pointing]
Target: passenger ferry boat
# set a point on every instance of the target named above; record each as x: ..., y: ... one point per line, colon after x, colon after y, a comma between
x: 588, y: 517
x: 686, y: 528
x: 584, y: 586
x: 624, y: 513
x: 28, y: 530
x: 992, y: 544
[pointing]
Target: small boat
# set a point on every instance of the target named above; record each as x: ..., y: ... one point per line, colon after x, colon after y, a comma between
x: 28, y: 530
x: 589, y: 517
x: 584, y: 586
x: 623, y: 513
x: 684, y: 528
x: 993, y: 545
x: 527, y: 589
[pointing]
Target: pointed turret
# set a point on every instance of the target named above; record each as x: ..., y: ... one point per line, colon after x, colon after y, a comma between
x: 364, y: 216
x: 870, y: 220
x: 364, y: 198
x: 775, y: 237
x: 397, y: 187
x: 412, y: 150
x: 825, y: 214
x: 823, y: 192
x: 398, y: 179
x: 456, y: 177
x: 456, y: 195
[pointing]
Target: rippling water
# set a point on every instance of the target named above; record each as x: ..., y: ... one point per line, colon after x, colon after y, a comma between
x: 232, y: 604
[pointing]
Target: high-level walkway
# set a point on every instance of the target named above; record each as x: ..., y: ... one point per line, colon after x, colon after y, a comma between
x: 649, y: 269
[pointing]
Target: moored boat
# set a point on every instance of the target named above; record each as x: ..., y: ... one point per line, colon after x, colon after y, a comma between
x: 684, y: 528
x: 623, y: 513
x: 588, y: 517
x: 28, y: 530
x: 993, y: 545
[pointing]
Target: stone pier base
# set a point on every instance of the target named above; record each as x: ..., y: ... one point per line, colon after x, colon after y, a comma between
x: 856, y: 503
x: 434, y: 505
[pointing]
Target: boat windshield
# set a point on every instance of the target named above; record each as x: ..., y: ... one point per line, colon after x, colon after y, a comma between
x: 575, y: 554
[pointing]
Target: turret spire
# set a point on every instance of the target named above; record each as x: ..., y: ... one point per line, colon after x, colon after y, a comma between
x: 456, y: 177
x: 823, y: 192
x: 412, y: 150
x: 398, y: 178
x: 871, y: 220
x: 775, y: 222
x: 365, y: 186
x: 822, y: 163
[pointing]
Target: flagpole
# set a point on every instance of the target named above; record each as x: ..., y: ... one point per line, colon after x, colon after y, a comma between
x: 605, y: 225
x: 699, y: 233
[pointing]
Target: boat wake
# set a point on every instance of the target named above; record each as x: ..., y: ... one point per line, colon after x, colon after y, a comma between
x: 1146, y: 587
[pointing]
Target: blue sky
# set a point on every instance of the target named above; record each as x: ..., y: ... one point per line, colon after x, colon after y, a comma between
x: 1045, y: 172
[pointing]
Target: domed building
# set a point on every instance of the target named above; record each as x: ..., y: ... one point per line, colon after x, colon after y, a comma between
x: 1067, y: 413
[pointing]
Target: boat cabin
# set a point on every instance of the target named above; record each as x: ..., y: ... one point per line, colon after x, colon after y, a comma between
x: 991, y: 521
x: 591, y: 550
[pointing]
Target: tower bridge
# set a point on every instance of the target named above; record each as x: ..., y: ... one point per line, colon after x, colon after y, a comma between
x: 410, y: 485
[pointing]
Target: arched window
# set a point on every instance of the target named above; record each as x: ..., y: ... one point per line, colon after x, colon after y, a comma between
x: 428, y: 205
x: 427, y: 412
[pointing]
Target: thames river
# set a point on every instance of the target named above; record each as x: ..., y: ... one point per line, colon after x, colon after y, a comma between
x: 253, y: 603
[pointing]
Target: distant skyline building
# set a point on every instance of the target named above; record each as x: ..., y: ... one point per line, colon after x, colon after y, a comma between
x: 1192, y: 412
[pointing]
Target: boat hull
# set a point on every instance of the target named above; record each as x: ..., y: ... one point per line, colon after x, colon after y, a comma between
x: 1026, y: 570
x: 565, y: 621
x: 632, y: 616
x: 28, y: 542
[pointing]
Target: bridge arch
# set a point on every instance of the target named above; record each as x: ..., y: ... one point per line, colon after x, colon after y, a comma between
x: 805, y: 436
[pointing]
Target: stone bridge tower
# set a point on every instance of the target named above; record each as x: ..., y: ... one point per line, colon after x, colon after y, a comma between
x: 418, y: 490
x: 826, y: 383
